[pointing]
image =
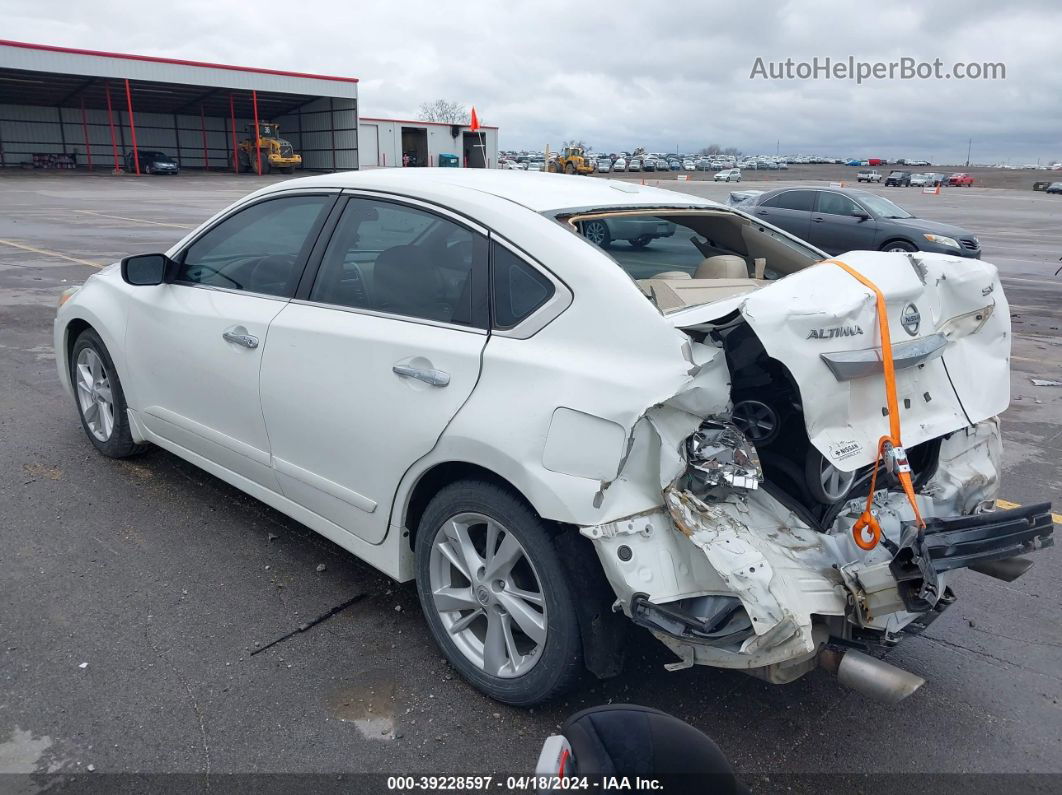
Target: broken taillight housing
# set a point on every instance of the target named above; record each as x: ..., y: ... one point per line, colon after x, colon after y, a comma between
x: 720, y: 455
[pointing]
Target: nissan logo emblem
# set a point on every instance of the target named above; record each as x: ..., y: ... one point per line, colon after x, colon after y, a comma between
x: 910, y: 319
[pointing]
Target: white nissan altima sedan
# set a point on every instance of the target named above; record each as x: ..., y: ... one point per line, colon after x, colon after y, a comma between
x: 434, y: 369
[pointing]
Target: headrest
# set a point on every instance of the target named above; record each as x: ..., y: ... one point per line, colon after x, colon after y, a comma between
x: 724, y: 266
x: 672, y: 275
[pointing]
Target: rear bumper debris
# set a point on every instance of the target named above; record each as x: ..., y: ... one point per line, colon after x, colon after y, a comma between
x: 965, y: 542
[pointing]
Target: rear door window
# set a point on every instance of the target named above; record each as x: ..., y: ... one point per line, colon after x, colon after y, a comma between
x: 403, y: 260
x: 792, y: 200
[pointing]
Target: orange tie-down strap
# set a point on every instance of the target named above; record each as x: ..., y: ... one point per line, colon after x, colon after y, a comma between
x: 891, y: 445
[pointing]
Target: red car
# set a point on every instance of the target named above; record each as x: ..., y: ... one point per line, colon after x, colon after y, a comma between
x: 960, y: 180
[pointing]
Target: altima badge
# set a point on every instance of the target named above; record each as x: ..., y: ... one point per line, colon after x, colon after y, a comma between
x: 910, y: 319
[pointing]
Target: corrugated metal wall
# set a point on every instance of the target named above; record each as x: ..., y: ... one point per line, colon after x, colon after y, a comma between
x: 26, y: 130
x: 324, y: 132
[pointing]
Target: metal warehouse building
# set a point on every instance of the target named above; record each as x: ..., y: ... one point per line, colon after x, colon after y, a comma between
x: 65, y: 108
x: 62, y: 107
x: 396, y: 142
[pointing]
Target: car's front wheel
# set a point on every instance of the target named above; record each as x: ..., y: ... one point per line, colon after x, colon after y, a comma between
x: 100, y: 399
x: 898, y: 246
x: 495, y: 595
x: 641, y: 242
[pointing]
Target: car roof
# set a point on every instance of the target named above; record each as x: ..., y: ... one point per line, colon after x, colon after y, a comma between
x: 538, y: 191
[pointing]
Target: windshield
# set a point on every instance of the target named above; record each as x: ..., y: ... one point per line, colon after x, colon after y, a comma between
x: 682, y: 258
x: 883, y: 208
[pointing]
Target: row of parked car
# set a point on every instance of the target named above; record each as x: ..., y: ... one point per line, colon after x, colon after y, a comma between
x: 905, y: 179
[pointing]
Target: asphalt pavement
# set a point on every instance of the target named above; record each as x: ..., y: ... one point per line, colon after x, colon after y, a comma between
x: 137, y: 596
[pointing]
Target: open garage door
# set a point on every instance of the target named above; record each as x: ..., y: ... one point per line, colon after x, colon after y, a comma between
x: 414, y: 146
x: 474, y: 149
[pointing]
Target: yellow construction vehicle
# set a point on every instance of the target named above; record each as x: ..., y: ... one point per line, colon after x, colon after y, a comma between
x: 572, y: 160
x: 276, y: 153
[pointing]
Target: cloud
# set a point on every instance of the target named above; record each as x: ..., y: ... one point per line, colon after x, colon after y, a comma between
x: 629, y: 74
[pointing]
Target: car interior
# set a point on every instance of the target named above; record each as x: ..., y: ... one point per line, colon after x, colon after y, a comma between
x: 398, y: 260
x: 712, y: 255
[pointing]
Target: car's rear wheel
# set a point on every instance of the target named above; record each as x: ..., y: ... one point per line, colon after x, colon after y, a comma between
x: 898, y: 246
x: 495, y: 595
x: 641, y: 242
x: 597, y: 232
x: 100, y: 400
x: 826, y: 483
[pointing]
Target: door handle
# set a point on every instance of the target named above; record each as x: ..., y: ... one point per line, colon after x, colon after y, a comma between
x: 246, y: 340
x: 433, y: 377
x: 761, y: 212
x: 818, y: 219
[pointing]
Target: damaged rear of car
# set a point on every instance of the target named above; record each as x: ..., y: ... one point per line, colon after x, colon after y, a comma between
x: 795, y: 528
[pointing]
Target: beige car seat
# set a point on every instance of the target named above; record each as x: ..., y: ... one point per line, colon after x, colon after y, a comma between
x: 723, y: 266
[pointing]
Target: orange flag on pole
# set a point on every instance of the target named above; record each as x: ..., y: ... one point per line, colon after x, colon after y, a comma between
x: 474, y: 124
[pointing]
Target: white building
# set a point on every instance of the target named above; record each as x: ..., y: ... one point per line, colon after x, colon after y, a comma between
x: 393, y: 142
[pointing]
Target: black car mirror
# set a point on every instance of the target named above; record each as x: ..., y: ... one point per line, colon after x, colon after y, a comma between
x: 862, y: 216
x: 146, y: 269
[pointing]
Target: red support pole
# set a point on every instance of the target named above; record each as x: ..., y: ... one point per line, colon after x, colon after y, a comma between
x: 84, y: 129
x: 202, y: 126
x: 132, y: 126
x: 257, y: 142
x: 235, y: 145
x: 332, y: 127
x: 110, y: 121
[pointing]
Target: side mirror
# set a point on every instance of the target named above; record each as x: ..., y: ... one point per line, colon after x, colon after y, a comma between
x: 861, y: 215
x: 146, y: 269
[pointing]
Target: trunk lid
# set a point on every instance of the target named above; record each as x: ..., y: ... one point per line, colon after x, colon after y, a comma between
x: 950, y: 328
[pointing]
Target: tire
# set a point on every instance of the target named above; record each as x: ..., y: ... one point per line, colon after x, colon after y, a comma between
x: 597, y: 232
x: 289, y: 170
x: 641, y: 242
x: 91, y: 389
x: 569, y: 168
x: 550, y: 667
x: 898, y: 245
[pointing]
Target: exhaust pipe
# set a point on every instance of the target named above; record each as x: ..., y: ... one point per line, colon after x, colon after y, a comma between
x: 870, y: 676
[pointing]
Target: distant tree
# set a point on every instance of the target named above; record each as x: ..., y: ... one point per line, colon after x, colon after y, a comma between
x: 731, y: 150
x: 445, y: 111
x: 574, y: 143
x: 711, y: 149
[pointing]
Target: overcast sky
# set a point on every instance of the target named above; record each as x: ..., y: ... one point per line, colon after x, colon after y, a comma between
x: 668, y: 75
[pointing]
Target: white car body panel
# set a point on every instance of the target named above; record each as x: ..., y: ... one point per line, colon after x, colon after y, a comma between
x: 838, y: 423
x: 328, y: 386
x: 192, y: 387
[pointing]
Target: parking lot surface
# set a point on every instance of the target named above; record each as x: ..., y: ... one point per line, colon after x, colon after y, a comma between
x: 137, y: 595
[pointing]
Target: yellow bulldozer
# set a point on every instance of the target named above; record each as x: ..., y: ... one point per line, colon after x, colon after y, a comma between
x: 276, y: 153
x: 572, y: 160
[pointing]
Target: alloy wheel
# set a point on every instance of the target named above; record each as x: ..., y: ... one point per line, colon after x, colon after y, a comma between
x: 595, y: 232
x: 94, y: 396
x: 488, y: 595
x: 835, y: 483
x: 755, y: 419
